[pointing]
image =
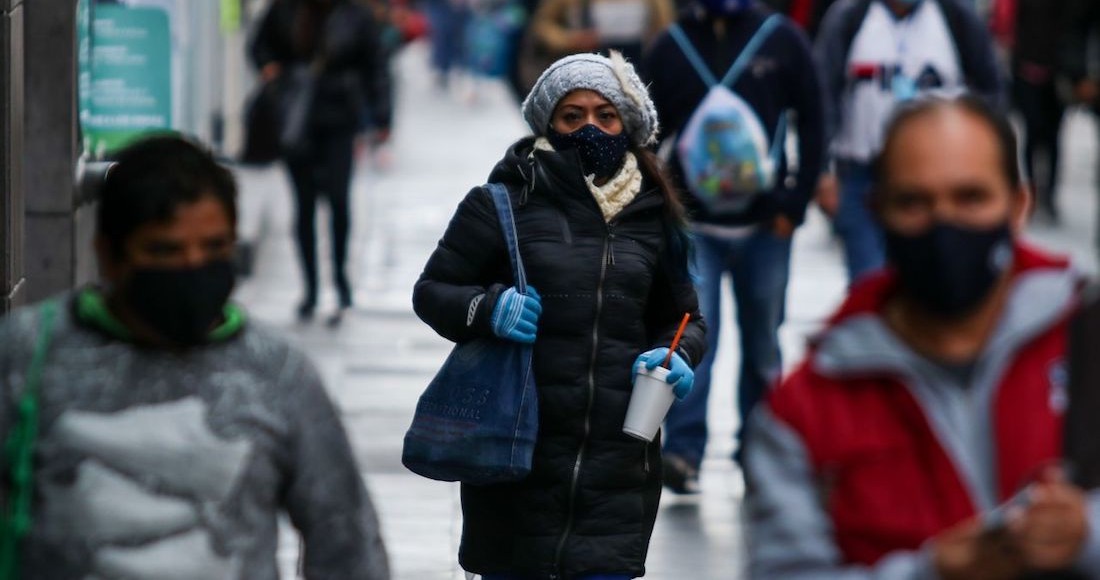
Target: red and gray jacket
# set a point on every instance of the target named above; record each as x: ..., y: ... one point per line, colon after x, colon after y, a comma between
x: 869, y: 449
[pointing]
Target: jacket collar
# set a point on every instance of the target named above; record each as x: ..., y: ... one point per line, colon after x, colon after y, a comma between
x: 857, y: 341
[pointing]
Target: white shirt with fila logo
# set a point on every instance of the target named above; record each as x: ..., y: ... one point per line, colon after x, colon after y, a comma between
x: 893, y: 60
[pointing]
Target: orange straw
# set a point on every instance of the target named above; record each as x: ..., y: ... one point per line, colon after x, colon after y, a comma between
x: 676, y: 339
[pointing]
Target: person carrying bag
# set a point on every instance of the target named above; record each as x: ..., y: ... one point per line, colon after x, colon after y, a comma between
x: 601, y: 238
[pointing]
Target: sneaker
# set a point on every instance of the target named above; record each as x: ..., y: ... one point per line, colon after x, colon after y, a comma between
x: 680, y: 477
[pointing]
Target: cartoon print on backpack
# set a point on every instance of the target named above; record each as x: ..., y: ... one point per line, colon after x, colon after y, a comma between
x: 725, y: 153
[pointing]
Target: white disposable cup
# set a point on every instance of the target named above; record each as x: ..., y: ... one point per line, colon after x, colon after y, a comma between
x: 649, y: 403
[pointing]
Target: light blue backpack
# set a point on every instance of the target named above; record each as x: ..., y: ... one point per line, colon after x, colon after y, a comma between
x: 725, y: 153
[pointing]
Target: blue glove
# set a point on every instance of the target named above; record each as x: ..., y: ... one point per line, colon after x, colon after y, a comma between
x: 680, y: 375
x: 516, y: 316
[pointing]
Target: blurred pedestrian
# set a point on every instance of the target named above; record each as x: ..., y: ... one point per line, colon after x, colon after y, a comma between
x: 574, y: 26
x: 874, y: 54
x: 151, y: 430
x: 922, y: 435
x: 1028, y: 30
x: 600, y: 233
x: 329, y: 56
x: 752, y: 244
x: 447, y: 20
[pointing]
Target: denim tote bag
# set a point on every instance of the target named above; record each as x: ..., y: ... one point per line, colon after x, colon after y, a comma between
x: 478, y: 419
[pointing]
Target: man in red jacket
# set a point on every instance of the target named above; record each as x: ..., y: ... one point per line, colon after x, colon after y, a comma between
x: 922, y: 435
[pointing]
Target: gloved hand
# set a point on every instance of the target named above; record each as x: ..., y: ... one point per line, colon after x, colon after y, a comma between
x: 516, y: 316
x: 680, y: 375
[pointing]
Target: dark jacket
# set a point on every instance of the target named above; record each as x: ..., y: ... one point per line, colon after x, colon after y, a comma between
x: 354, y: 88
x: 1036, y: 39
x: 781, y: 78
x: 609, y: 293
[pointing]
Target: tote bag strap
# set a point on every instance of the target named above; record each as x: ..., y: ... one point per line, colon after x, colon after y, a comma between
x: 511, y: 239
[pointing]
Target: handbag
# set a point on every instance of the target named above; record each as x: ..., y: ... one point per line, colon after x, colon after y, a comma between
x: 19, y: 451
x: 478, y: 419
x: 261, y: 122
x: 277, y: 118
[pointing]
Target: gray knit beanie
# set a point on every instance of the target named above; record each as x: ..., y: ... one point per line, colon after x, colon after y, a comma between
x: 613, y: 78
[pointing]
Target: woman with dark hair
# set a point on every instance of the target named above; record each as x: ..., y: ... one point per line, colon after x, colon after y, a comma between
x: 601, y: 234
x: 336, y: 43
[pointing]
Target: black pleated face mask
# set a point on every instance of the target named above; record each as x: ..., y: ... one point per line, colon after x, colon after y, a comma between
x: 181, y: 304
x: 949, y: 269
x: 601, y: 154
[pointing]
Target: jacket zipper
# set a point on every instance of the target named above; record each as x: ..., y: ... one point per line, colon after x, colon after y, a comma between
x: 608, y: 259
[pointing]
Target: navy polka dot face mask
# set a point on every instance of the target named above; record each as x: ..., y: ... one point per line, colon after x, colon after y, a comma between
x: 601, y: 154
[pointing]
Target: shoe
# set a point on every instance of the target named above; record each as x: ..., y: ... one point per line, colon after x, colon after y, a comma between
x: 305, y: 310
x: 343, y: 289
x: 679, y: 476
x: 337, y: 318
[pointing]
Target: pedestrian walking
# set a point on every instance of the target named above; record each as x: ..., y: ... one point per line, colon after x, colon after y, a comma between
x: 332, y: 70
x: 776, y: 80
x: 922, y: 436
x: 573, y: 26
x: 874, y: 54
x: 601, y: 235
x: 151, y: 430
x: 1028, y: 30
x: 447, y: 21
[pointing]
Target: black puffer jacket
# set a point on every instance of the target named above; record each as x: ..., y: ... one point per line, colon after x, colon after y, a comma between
x: 609, y: 293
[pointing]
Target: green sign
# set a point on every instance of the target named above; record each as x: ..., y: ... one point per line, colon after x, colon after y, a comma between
x: 129, y: 84
x: 231, y: 16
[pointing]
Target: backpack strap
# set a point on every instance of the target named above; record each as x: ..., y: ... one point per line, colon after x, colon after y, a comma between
x: 779, y: 142
x: 19, y: 449
x: 743, y: 59
x: 692, y: 55
x: 766, y: 29
x: 850, y: 27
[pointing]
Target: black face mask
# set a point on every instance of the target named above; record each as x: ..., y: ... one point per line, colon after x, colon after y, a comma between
x: 601, y: 154
x: 948, y: 269
x: 181, y: 304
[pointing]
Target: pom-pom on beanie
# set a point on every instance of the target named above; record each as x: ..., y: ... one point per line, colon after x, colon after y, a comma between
x: 613, y: 78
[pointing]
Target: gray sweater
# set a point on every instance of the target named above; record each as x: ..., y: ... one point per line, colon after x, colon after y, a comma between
x: 154, y: 464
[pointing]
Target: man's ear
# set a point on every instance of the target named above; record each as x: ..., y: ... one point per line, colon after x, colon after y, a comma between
x: 1022, y: 203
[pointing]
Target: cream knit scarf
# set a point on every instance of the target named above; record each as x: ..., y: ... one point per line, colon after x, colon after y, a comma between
x: 619, y: 191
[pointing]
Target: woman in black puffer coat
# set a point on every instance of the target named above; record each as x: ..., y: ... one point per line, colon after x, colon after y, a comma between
x: 608, y: 258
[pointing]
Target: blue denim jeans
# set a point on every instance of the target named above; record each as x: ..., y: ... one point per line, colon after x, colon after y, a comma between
x: 864, y: 248
x: 759, y: 266
x: 585, y: 577
x: 448, y: 33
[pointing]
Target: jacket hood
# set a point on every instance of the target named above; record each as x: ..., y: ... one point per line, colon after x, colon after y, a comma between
x: 514, y: 169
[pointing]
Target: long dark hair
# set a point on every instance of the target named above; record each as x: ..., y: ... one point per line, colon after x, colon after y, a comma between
x: 675, y: 216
